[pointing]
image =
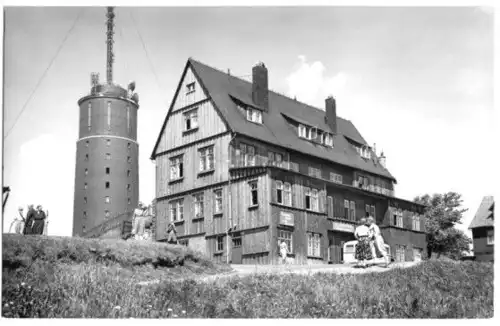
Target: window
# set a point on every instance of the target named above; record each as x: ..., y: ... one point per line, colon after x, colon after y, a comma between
x: 86, y: 157
x: 288, y: 194
x: 367, y: 209
x: 219, y: 244
x: 328, y: 139
x: 372, y: 212
x: 176, y: 167
x: 107, y: 200
x: 312, y: 200
x: 416, y: 222
x: 337, y: 178
x: 85, y: 200
x: 106, y: 213
x: 106, y: 185
x: 128, y: 187
x: 218, y: 200
x: 313, y: 134
x: 129, y: 159
x: 84, y: 214
x: 207, y: 159
x: 199, y: 226
x: 129, y: 201
x: 86, y: 143
x: 400, y: 219
x: 85, y: 186
x: 247, y: 155
x: 86, y: 171
x: 313, y: 244
x: 191, y: 120
x: 279, y: 192
x: 352, y: 211
x: 254, y: 198
x: 285, y: 236
x: 198, y: 205
x: 89, y: 122
x: 108, y: 156
x: 177, y: 210
x: 400, y: 253
x: 107, y: 170
x: 490, y: 237
x: 302, y: 131
x: 346, y: 209
x: 190, y: 88
x: 128, y: 173
x: 314, y: 172
x: 109, y: 115
x: 108, y: 142
x: 279, y: 159
x: 128, y: 119
x: 254, y: 115
x: 128, y: 147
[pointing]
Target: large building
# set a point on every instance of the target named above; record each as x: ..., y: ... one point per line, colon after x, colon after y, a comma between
x: 107, y: 166
x: 240, y: 168
x: 483, y: 230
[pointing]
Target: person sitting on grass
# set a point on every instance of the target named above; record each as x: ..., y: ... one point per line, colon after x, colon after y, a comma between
x: 363, y: 248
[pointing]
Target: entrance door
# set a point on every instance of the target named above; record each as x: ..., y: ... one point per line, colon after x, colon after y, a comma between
x: 236, y: 251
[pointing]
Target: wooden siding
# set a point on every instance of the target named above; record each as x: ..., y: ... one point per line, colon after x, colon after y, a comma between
x: 243, y: 217
x: 482, y: 250
x: 191, y: 162
x: 209, y: 124
x: 184, y: 98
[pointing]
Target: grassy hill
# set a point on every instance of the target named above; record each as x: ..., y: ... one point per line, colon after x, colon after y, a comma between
x: 65, y: 277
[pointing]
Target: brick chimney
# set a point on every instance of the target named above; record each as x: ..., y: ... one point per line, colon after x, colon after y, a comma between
x: 260, y: 90
x: 331, y: 113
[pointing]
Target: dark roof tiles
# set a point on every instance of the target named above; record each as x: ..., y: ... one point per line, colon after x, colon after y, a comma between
x: 483, y: 214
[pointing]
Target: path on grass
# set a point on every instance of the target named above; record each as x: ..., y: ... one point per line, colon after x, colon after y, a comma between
x: 248, y: 270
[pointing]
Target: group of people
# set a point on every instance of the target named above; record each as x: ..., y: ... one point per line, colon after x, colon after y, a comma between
x: 370, y: 242
x: 33, y: 223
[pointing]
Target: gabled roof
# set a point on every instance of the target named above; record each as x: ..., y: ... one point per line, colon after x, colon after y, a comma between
x: 484, y: 213
x: 223, y: 89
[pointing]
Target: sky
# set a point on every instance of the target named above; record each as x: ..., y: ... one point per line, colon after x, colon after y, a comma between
x: 418, y: 82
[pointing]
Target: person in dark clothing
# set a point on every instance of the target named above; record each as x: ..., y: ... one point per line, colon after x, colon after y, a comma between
x: 39, y: 221
x: 30, y: 218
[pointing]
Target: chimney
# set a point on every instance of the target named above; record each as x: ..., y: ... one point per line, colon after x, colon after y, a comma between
x: 260, y: 90
x: 381, y: 159
x: 331, y: 113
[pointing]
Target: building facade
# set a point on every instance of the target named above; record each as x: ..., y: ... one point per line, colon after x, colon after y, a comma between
x: 483, y: 230
x: 107, y: 165
x: 240, y: 168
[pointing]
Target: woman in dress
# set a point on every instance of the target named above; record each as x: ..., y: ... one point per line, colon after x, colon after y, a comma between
x: 378, y: 240
x: 363, y: 249
x: 39, y: 221
x: 18, y: 223
x: 30, y: 219
x: 283, y: 252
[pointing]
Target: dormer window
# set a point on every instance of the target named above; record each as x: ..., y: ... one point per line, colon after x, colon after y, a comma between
x: 328, y: 139
x: 191, y: 120
x: 254, y: 115
x: 302, y: 131
x: 190, y: 88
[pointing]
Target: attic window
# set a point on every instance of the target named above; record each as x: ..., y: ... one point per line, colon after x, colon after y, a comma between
x: 364, y: 152
x: 254, y: 115
x: 315, y: 134
x: 191, y: 120
x: 190, y: 88
x: 328, y: 139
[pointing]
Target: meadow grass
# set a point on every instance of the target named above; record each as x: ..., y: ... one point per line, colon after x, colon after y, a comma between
x: 63, y: 277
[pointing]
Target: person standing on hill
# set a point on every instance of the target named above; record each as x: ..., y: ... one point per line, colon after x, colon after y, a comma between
x: 378, y: 240
x: 363, y: 249
x: 283, y: 251
x: 30, y: 219
x: 18, y: 223
x: 172, y: 234
x: 39, y: 221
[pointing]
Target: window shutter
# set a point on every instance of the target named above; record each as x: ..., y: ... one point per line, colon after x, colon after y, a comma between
x: 322, y: 201
x: 330, y: 206
x: 273, y: 191
x: 407, y: 221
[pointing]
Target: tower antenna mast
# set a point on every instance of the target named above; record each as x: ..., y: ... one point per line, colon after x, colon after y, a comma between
x: 110, y: 56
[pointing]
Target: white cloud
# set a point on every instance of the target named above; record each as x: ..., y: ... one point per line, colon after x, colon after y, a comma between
x: 309, y: 83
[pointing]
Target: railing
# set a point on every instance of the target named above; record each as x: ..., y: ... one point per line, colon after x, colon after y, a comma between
x: 245, y: 160
x: 374, y: 188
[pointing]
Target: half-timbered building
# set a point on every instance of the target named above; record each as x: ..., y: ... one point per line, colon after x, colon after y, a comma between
x: 240, y: 168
